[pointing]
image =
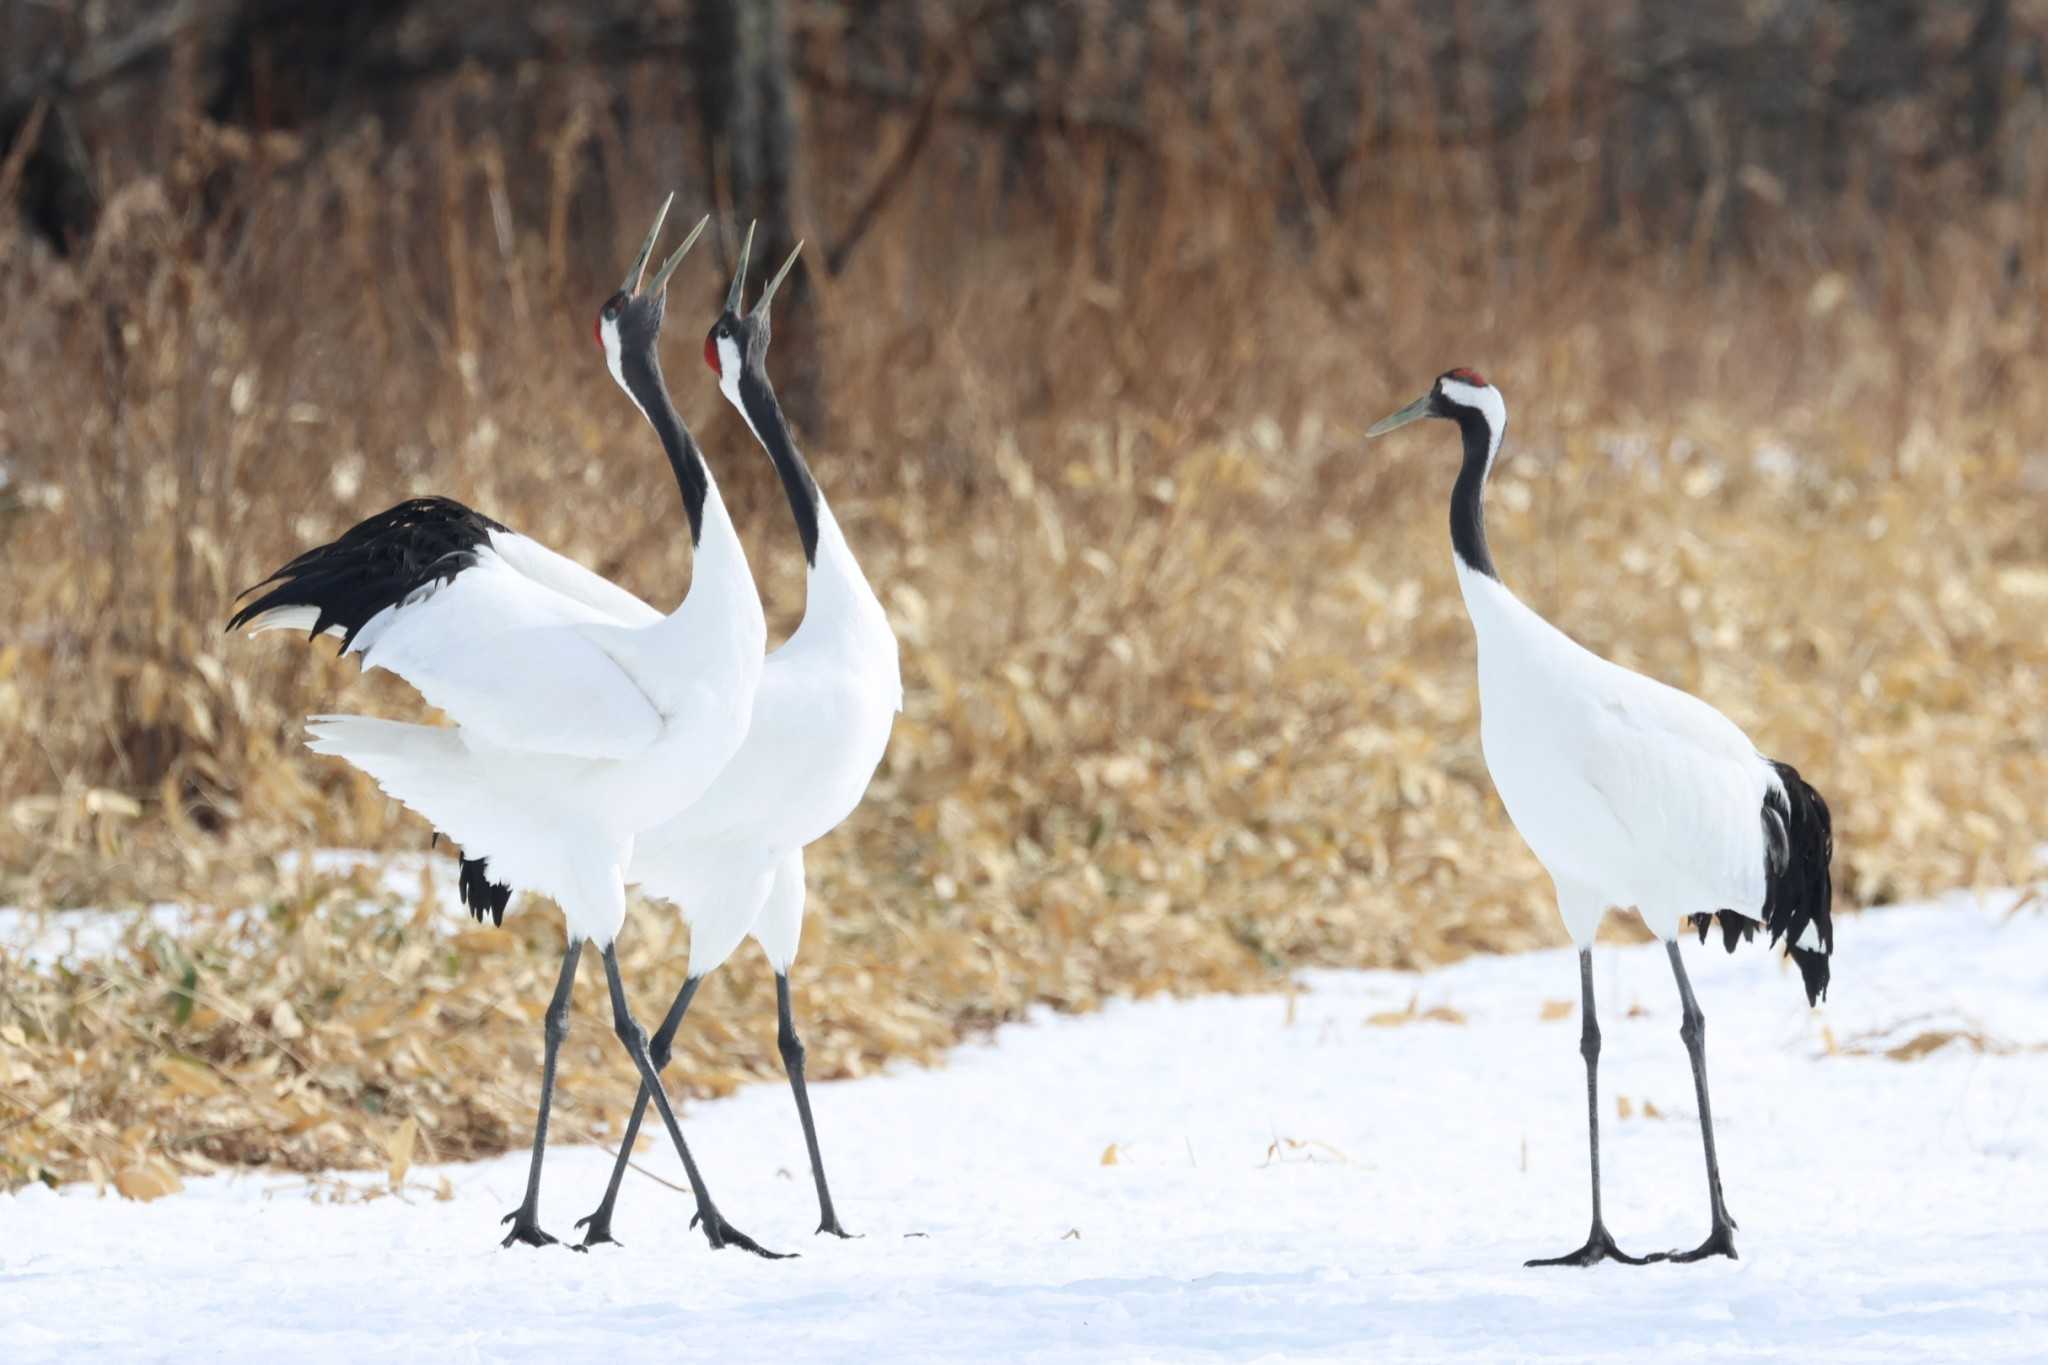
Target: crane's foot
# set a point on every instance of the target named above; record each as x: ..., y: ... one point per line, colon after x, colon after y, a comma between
x: 597, y: 1230
x: 1599, y: 1247
x: 831, y: 1225
x: 722, y: 1234
x: 525, y: 1228
x: 1720, y: 1242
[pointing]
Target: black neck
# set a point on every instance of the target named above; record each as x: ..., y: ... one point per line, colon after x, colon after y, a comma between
x: 765, y: 415
x: 1468, y: 514
x: 643, y: 378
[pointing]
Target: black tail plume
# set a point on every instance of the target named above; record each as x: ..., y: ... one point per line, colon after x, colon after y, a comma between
x: 482, y: 895
x: 1799, y: 843
x: 1734, y: 928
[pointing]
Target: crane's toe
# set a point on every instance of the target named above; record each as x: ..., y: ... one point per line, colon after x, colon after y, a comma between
x: 1720, y: 1242
x: 722, y: 1234
x: 1599, y: 1247
x: 525, y: 1229
x: 597, y: 1230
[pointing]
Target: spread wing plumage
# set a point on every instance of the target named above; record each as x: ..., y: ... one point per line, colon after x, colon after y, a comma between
x: 488, y: 626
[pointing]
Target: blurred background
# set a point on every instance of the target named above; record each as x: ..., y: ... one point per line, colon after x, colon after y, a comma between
x: 1096, y: 301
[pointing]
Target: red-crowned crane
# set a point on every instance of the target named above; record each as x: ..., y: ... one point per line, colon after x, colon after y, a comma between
x: 1631, y: 794
x: 734, y: 861
x: 581, y: 715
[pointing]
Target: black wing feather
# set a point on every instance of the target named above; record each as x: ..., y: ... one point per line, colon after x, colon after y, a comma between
x: 377, y: 563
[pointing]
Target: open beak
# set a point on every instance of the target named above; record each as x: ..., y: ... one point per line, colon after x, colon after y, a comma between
x: 668, y: 267
x: 1414, y: 412
x: 637, y: 276
x: 639, y: 270
x: 761, y: 304
x: 739, y: 276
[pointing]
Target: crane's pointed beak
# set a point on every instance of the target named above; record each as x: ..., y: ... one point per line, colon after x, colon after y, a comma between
x: 739, y: 276
x: 668, y: 267
x: 1414, y: 412
x: 761, y: 304
x: 639, y: 270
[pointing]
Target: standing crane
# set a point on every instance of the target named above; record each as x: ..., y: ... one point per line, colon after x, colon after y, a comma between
x: 734, y: 861
x: 582, y: 715
x: 1631, y: 794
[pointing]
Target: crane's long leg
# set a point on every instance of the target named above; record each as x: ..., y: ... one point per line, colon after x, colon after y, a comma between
x: 1599, y: 1243
x: 1693, y: 1029
x: 525, y: 1219
x: 716, y: 1229
x: 598, y: 1224
x: 793, y: 1063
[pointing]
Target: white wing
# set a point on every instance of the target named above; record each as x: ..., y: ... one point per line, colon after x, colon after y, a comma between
x: 563, y: 574
x: 1620, y: 784
x: 508, y: 658
x: 1687, y: 786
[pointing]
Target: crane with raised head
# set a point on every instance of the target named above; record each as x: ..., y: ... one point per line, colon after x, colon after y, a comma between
x: 1632, y: 794
x: 581, y: 714
x: 734, y: 861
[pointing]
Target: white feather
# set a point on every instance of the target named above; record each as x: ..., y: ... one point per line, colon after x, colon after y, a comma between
x: 608, y: 336
x: 289, y: 618
x: 821, y: 720
x: 506, y: 658
x: 820, y: 724
x: 582, y: 715
x: 1632, y: 794
x: 781, y: 922
x: 572, y: 580
x: 1488, y: 400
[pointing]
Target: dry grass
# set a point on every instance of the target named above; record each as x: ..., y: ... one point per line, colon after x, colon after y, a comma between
x: 1190, y: 690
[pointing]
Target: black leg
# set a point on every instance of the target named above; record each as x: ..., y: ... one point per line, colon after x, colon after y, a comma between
x: 716, y: 1229
x: 1693, y: 1029
x: 1599, y: 1243
x: 793, y: 1063
x: 525, y: 1219
x: 598, y: 1224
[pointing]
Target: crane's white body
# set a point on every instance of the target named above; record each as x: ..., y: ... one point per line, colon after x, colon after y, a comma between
x: 733, y: 862
x: 582, y: 715
x: 1632, y: 794
x: 742, y: 791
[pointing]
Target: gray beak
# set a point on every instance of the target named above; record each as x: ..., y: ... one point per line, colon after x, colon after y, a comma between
x: 761, y: 304
x: 739, y: 276
x: 633, y: 276
x: 1414, y: 412
x: 668, y: 267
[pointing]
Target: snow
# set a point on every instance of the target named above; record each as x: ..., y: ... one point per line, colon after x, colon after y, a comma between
x: 69, y: 937
x: 1293, y: 1181
x: 72, y: 936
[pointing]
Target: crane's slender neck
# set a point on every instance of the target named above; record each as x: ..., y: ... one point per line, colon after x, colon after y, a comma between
x: 1468, y: 511
x: 757, y: 403
x: 642, y: 377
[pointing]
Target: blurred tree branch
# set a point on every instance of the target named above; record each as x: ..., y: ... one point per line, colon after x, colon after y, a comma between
x: 49, y: 162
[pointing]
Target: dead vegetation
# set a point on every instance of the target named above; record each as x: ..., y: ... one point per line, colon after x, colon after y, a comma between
x: 1189, y: 688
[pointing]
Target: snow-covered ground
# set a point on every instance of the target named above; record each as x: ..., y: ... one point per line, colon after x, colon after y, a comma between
x: 1304, y: 1179
x: 44, y: 939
